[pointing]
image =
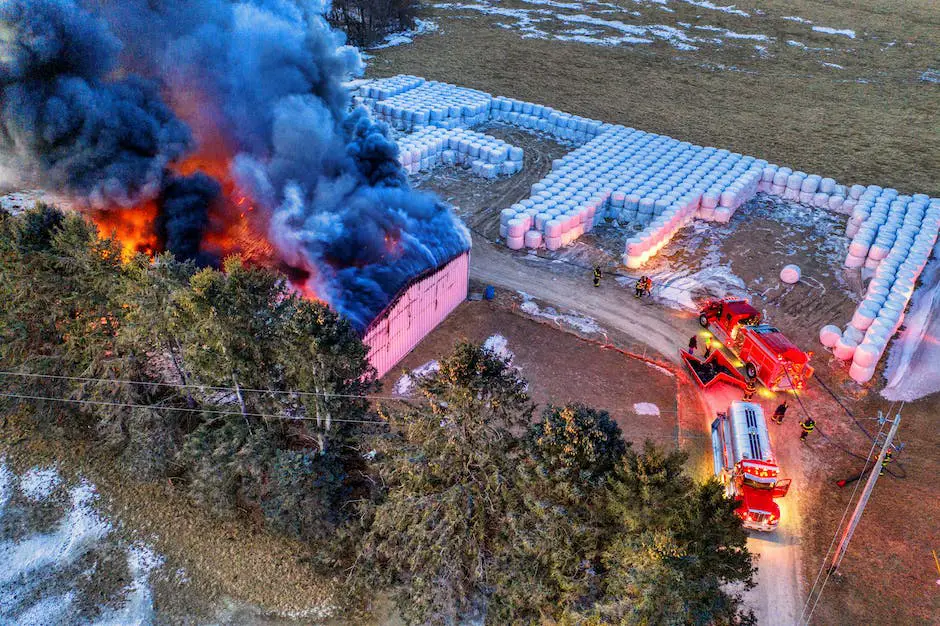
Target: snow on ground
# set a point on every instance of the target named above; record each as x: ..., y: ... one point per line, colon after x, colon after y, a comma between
x: 724, y: 9
x: 49, y: 567
x: 37, y: 484
x: 406, y: 384
x: 931, y: 76
x: 912, y: 370
x: 835, y: 31
x: 422, y: 27
x: 581, y: 323
x: 646, y: 408
x: 499, y: 345
x: 796, y: 18
x: 834, y: 65
x: 540, y: 23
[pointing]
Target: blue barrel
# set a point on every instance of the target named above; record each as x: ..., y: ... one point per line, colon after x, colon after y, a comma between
x: 489, y: 293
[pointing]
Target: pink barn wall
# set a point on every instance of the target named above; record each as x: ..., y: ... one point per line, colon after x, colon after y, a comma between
x: 416, y: 312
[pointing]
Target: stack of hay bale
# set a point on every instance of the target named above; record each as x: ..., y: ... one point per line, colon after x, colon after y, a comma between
x: 486, y: 156
x: 632, y: 176
x: 893, y: 235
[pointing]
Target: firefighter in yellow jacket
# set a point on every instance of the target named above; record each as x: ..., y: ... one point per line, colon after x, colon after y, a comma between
x: 597, y: 275
x: 807, y: 426
x: 884, y: 463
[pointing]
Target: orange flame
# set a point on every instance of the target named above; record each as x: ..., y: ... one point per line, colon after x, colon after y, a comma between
x: 235, y: 226
x: 132, y: 227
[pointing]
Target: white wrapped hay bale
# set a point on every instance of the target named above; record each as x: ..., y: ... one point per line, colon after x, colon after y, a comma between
x: 829, y: 335
x: 533, y: 239
x: 861, y: 374
x: 790, y: 274
x: 844, y: 349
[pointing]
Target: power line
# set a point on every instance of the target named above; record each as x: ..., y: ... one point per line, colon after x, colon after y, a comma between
x: 131, y: 405
x: 198, y: 387
x: 287, y: 418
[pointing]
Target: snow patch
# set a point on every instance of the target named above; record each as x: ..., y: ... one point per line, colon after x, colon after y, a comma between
x: 37, y: 484
x: 646, y: 408
x: 37, y: 584
x: 931, y: 76
x: 705, y: 4
x: 581, y: 323
x: 794, y: 18
x: 422, y: 27
x: 730, y: 34
x: 834, y: 65
x: 845, y: 32
x: 406, y: 384
x: 499, y: 345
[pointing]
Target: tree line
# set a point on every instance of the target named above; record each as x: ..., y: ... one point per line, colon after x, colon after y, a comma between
x: 460, y: 504
x: 366, y: 22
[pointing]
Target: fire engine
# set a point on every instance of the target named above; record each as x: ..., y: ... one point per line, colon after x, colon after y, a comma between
x: 766, y: 352
x: 745, y: 464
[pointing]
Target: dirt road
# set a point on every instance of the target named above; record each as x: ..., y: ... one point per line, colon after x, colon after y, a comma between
x: 777, y: 599
x: 612, y: 305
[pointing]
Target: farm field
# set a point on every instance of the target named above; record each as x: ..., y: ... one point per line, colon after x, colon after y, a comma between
x: 763, y: 90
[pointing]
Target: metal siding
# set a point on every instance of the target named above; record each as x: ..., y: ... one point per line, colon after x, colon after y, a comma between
x: 419, y: 310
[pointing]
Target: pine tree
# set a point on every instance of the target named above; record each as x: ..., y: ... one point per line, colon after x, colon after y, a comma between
x: 681, y: 551
x: 552, y: 565
x: 451, y: 472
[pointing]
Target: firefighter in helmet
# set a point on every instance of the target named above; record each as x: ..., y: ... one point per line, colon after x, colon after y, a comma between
x: 780, y: 412
x: 750, y: 388
x: 807, y: 426
x: 597, y: 275
x: 884, y: 463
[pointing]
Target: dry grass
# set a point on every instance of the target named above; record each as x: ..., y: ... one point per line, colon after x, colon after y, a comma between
x: 787, y: 108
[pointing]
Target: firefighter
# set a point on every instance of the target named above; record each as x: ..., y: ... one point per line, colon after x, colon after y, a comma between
x: 693, y: 344
x: 708, y: 347
x: 750, y: 388
x: 597, y: 275
x: 884, y: 463
x: 647, y: 285
x: 780, y: 412
x: 807, y: 426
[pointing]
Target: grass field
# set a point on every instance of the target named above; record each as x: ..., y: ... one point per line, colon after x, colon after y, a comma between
x: 757, y: 84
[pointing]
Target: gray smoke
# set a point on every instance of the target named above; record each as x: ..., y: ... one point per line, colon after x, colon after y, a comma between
x: 63, y: 125
x: 260, y: 80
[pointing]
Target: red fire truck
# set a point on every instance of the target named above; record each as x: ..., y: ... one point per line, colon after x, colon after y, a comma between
x: 745, y: 464
x: 767, y: 353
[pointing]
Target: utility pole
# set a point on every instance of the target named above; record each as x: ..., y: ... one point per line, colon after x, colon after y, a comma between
x: 866, y: 494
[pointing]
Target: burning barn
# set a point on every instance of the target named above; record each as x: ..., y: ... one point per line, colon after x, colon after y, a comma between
x: 417, y: 309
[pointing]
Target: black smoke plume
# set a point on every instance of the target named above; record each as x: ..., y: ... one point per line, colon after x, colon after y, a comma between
x: 183, y: 215
x: 64, y: 125
x: 263, y: 80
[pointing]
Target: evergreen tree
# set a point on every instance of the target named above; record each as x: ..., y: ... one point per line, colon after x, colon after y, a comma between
x: 230, y: 322
x: 553, y: 563
x: 681, y: 552
x: 451, y: 470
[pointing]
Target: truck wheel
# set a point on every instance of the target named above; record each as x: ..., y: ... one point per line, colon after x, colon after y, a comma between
x: 751, y: 370
x: 703, y: 320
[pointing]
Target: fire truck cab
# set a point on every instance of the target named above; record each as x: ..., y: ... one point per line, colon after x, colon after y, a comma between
x: 745, y: 464
x: 768, y: 355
